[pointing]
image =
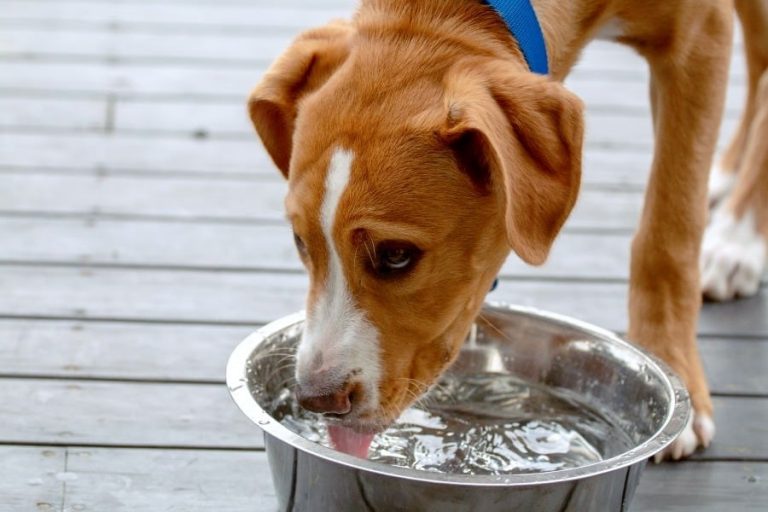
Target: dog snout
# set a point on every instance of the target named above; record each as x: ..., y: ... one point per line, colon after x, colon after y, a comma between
x: 336, y: 401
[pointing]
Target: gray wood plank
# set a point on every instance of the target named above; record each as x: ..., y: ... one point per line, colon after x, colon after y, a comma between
x: 715, y: 487
x: 150, y: 243
x: 180, y: 80
x: 186, y: 480
x: 229, y: 200
x: 255, y: 16
x: 735, y: 366
x: 243, y: 157
x: 133, y: 153
x: 123, y: 414
x: 240, y: 47
x: 81, y: 114
x: 612, y: 61
x: 31, y: 478
x: 249, y: 247
x: 740, y: 430
x: 159, y: 352
x: 250, y: 298
x: 227, y: 297
x: 238, y: 246
x: 189, y: 198
x: 604, y: 129
x: 133, y: 480
x: 202, y: 415
x: 114, y: 350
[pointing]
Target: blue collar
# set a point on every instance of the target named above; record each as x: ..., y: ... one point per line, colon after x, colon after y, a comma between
x: 522, y: 22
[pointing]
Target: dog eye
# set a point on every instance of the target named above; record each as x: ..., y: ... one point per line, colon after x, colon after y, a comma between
x: 394, y: 258
x: 300, y: 245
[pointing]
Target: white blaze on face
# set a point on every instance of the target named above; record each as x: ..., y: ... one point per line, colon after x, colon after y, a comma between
x: 337, y: 332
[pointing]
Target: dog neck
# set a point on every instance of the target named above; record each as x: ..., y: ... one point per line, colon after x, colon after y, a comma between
x: 451, y: 29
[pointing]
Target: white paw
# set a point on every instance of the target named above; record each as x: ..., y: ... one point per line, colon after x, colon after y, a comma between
x: 698, y: 432
x: 720, y: 183
x: 732, y: 256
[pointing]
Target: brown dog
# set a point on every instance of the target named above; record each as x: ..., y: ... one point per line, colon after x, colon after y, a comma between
x: 420, y: 149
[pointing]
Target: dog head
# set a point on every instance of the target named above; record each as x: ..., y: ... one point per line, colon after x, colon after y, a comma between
x: 409, y: 182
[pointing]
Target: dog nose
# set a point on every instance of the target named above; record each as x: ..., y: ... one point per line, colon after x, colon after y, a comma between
x: 335, y: 402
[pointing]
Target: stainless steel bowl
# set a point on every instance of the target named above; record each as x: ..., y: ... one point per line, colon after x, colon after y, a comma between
x: 545, y: 348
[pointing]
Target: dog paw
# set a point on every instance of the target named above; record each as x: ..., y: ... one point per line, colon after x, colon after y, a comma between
x: 698, y: 432
x: 720, y: 183
x: 732, y: 257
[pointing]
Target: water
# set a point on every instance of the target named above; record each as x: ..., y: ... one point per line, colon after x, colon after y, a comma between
x: 483, y: 424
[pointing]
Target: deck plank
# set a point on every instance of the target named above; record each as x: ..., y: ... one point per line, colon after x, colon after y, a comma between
x: 32, y: 478
x: 194, y: 353
x: 251, y: 298
x: 155, y: 352
x: 89, y: 151
x: 230, y: 200
x: 258, y: 15
x: 220, y: 81
x: 148, y: 414
x: 74, y: 114
x: 130, y: 480
x: 123, y: 414
x: 142, y: 480
x: 711, y: 487
x: 613, y: 61
x: 85, y: 152
x: 602, y: 127
x: 229, y: 119
x: 94, y: 240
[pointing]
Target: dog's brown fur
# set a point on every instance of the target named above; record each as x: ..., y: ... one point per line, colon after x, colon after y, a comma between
x: 462, y: 151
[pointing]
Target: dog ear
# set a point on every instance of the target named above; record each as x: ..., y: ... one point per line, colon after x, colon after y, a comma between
x: 524, y: 133
x: 304, y: 67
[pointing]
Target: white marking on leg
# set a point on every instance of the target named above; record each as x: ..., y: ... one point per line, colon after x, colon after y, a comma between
x: 704, y: 427
x: 699, y: 431
x: 720, y: 183
x: 337, y: 331
x: 733, y: 256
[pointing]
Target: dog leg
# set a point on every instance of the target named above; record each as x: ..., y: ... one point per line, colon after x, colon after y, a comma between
x: 733, y: 255
x: 689, y: 76
x: 753, y: 15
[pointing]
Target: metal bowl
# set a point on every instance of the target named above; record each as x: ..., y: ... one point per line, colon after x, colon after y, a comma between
x: 539, y: 347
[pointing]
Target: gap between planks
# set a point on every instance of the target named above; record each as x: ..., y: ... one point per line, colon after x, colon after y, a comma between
x: 222, y: 382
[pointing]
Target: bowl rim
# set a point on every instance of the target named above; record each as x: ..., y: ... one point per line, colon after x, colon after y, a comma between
x: 675, y: 421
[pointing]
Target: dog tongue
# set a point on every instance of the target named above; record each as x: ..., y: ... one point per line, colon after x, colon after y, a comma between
x: 349, y: 441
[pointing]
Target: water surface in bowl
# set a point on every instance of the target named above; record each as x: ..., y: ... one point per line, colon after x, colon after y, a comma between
x: 483, y: 424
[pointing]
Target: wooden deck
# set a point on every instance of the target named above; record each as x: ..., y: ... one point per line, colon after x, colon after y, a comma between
x: 141, y: 238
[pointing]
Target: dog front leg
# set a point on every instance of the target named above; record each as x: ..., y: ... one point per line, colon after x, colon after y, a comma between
x: 689, y: 76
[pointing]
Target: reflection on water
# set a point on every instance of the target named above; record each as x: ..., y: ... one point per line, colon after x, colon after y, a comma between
x: 483, y: 424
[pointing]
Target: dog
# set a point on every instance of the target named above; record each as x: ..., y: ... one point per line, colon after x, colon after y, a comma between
x: 420, y: 149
